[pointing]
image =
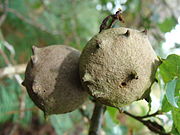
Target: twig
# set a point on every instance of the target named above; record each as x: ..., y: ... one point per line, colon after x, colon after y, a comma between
x: 117, y: 16
x: 5, y: 57
x: 13, y: 129
x: 153, y: 126
x: 11, y: 49
x: 96, y: 119
x: 12, y: 70
x: 19, y: 111
x: 22, y: 102
x: 23, y: 94
x: 4, y: 15
x: 150, y: 115
x: 29, y: 21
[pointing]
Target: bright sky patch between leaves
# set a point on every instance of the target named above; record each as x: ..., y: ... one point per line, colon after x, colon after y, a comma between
x: 172, y: 38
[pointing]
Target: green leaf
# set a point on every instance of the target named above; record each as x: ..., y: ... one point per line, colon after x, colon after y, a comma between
x: 174, y: 130
x: 176, y: 116
x: 113, y: 114
x: 170, y: 92
x: 177, y: 92
x: 170, y: 68
x: 167, y: 25
x: 166, y: 106
x: 169, y: 72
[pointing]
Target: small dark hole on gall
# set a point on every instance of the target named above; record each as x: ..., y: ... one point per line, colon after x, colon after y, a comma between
x: 123, y: 84
x: 145, y: 31
x: 133, y: 76
x: 44, y: 91
x: 97, y: 46
x: 127, y: 34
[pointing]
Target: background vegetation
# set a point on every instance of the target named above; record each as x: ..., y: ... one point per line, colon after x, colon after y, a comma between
x: 24, y: 23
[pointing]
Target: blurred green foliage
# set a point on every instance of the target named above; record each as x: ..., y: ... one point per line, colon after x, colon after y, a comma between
x: 167, y: 25
x: 73, y: 23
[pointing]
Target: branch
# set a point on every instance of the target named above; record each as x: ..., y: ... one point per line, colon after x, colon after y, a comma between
x: 6, y: 60
x: 12, y: 70
x: 96, y: 119
x: 153, y: 126
x: 4, y: 15
x: 19, y: 111
x: 150, y: 115
x: 19, y: 81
